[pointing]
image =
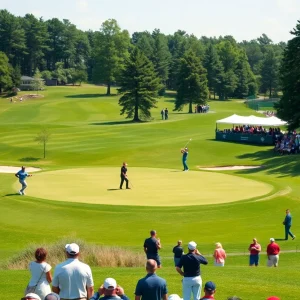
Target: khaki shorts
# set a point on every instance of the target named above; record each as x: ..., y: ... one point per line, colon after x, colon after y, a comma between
x: 273, y: 260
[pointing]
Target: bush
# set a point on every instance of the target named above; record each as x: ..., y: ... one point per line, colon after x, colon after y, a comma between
x: 93, y: 255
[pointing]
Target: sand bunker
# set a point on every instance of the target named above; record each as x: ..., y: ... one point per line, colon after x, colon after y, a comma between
x: 230, y: 168
x: 13, y: 170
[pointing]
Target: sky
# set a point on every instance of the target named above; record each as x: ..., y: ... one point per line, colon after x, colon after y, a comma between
x: 243, y: 19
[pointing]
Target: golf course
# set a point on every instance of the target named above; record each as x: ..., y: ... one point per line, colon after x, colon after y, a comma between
x: 75, y: 192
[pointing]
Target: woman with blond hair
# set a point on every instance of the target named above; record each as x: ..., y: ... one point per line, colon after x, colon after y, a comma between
x: 40, y: 275
x: 219, y: 255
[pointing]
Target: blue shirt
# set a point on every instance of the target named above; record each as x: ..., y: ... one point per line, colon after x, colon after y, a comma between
x: 288, y: 220
x: 96, y: 296
x: 151, y: 245
x: 151, y: 287
x: 22, y: 175
x: 191, y: 264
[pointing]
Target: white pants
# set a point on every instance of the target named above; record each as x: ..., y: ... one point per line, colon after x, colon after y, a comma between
x: 191, y: 285
x: 273, y: 260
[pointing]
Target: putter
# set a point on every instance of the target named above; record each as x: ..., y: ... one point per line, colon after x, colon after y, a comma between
x: 187, y: 143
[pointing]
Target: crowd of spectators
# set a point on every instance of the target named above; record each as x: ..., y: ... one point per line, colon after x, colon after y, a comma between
x: 201, y: 108
x: 287, y: 143
x: 73, y: 279
x: 275, y: 132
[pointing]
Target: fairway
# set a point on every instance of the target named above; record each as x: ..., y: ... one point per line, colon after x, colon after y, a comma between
x: 151, y: 187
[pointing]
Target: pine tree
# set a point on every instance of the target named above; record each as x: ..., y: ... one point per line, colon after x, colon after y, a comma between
x: 288, y: 107
x: 139, y: 86
x: 192, y: 82
x: 5, y: 73
x: 214, y: 69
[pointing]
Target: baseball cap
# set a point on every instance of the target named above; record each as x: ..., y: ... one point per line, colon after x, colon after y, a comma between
x: 72, y: 248
x: 110, y: 283
x: 273, y: 298
x: 192, y: 245
x: 210, y: 286
x: 32, y: 296
x: 174, y: 297
x: 272, y: 240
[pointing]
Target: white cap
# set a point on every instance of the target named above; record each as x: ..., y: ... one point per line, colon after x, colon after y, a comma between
x: 33, y: 296
x: 72, y: 249
x: 110, y: 283
x: 174, y: 297
x: 272, y: 240
x: 192, y: 245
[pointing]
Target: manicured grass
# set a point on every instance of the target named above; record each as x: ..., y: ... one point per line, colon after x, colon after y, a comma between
x: 101, y: 186
x: 88, y: 132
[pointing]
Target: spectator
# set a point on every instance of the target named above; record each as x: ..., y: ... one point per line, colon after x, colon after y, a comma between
x: 72, y: 278
x: 30, y: 296
x: 209, y: 291
x: 254, y: 249
x: 151, y: 247
x: 166, y: 114
x: 178, y: 252
x: 287, y: 222
x: 110, y: 290
x: 192, y: 282
x: 52, y: 296
x: 219, y: 255
x: 151, y: 287
x: 273, y: 253
x: 40, y: 274
x: 162, y: 114
x: 273, y: 298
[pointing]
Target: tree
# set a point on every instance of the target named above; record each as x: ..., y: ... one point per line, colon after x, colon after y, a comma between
x: 111, y: 49
x: 38, y: 83
x: 288, y: 106
x: 79, y: 75
x: 5, y: 73
x: 192, y: 82
x: 269, y: 72
x: 43, y: 138
x: 139, y: 86
x: 46, y: 75
x: 214, y: 69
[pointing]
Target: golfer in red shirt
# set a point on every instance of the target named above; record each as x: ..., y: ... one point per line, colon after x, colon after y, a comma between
x: 273, y: 253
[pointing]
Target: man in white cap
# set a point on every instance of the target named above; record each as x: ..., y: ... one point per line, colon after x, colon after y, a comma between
x: 192, y: 282
x: 72, y: 278
x: 174, y: 297
x: 110, y: 291
x: 31, y: 296
x: 273, y: 253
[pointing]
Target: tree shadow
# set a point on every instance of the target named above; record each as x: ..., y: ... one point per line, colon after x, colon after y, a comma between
x: 118, y: 122
x: 170, y: 100
x: 29, y: 159
x: 273, y: 163
x: 88, y: 96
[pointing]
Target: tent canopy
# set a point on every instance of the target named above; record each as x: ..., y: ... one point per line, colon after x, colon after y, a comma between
x: 252, y: 120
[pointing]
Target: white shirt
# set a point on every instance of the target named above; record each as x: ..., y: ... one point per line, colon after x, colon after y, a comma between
x: 38, y: 272
x: 72, y: 277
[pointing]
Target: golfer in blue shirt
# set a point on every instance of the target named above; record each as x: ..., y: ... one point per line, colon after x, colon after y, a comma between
x: 22, y: 174
x: 185, y: 153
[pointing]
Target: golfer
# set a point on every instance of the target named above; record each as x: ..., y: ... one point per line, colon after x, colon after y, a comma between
x: 22, y: 174
x: 124, y: 176
x: 185, y: 153
x: 287, y: 222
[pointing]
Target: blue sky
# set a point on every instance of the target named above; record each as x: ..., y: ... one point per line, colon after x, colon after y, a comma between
x: 244, y: 19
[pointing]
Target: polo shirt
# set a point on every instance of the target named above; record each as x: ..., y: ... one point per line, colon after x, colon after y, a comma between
x: 273, y: 249
x: 254, y: 252
x: 123, y: 171
x: 288, y: 220
x: 151, y: 245
x: 191, y: 264
x: 207, y: 297
x: 184, y: 156
x: 72, y: 277
x: 22, y: 175
x: 151, y: 287
x: 178, y: 251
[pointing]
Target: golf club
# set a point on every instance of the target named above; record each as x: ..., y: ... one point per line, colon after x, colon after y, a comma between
x: 187, y: 143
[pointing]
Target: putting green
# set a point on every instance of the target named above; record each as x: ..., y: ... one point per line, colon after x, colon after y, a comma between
x: 151, y: 187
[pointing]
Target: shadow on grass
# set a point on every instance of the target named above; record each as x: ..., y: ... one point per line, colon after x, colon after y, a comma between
x: 14, y: 194
x: 111, y: 190
x: 87, y: 96
x: 29, y: 159
x: 274, y: 164
x: 118, y: 122
x: 236, y: 142
x: 276, y: 239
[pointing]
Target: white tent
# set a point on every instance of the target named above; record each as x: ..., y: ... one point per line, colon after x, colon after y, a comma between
x: 252, y: 120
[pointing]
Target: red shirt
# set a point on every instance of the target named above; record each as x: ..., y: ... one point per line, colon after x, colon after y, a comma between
x: 273, y: 249
x: 254, y: 252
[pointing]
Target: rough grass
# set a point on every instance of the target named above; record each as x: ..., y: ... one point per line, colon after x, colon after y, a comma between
x: 93, y: 255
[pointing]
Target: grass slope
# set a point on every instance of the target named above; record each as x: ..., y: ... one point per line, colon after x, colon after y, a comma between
x: 87, y: 131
